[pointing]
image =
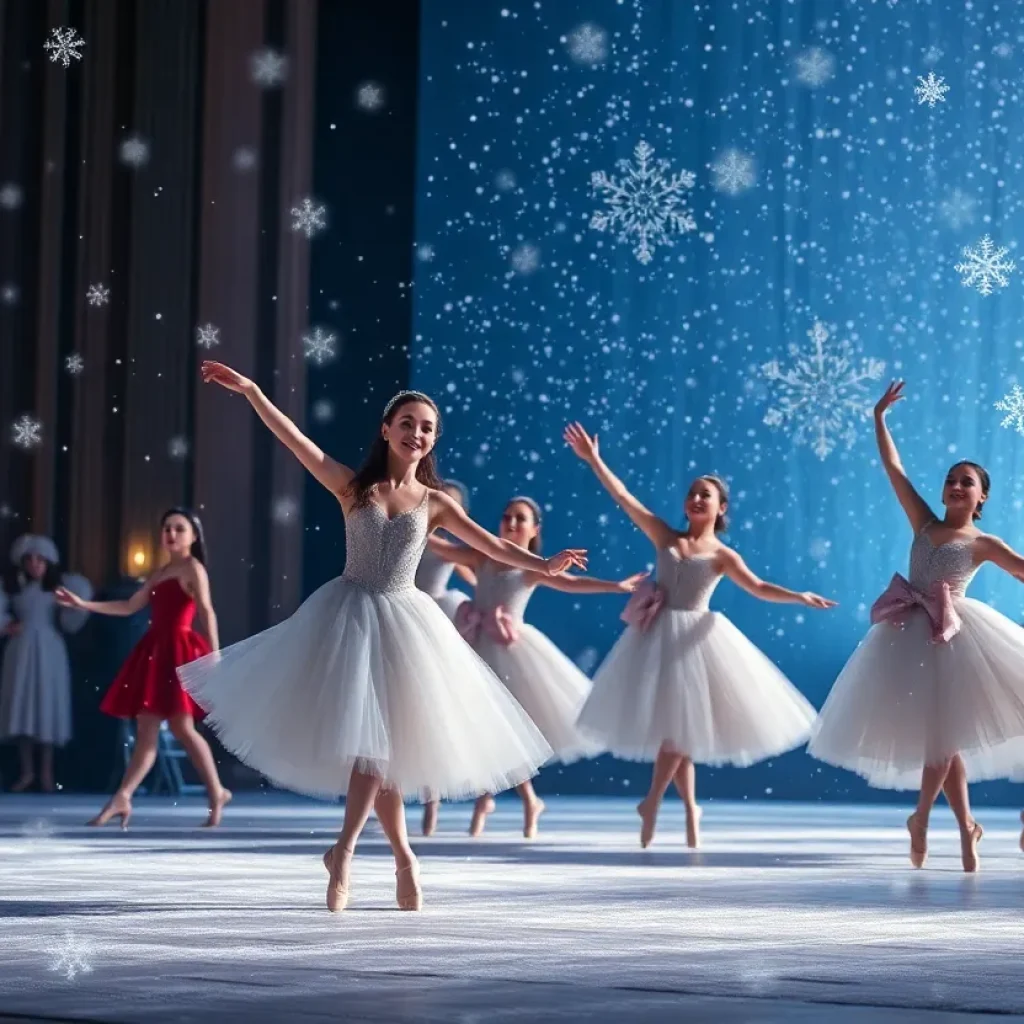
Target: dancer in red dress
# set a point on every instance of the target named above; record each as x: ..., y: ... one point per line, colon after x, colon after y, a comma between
x: 147, y: 688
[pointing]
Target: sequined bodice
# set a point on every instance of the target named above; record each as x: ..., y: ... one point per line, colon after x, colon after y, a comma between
x: 382, y: 554
x: 433, y: 573
x: 34, y: 607
x: 952, y: 563
x: 688, y: 582
x: 506, y: 587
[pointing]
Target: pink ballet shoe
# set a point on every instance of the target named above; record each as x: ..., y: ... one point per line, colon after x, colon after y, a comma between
x: 430, y: 817
x: 483, y: 807
x: 412, y: 896
x: 531, y: 816
x: 693, y: 828
x: 337, y: 860
x: 117, y: 806
x: 648, y: 820
x: 969, y: 839
x: 918, y: 841
x: 217, y: 808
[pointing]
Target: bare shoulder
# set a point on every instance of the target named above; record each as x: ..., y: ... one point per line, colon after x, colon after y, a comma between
x: 726, y: 556
x: 987, y: 545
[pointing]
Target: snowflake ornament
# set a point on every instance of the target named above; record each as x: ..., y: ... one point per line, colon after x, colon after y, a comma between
x: 134, y: 152
x: 309, y: 218
x: 815, y: 67
x: 74, y: 364
x: 71, y: 956
x: 97, y: 295
x: 27, y: 432
x: 734, y: 172
x: 587, y: 44
x: 63, y: 46
x: 207, y: 336
x: 931, y: 90
x: 984, y: 267
x: 822, y: 396
x: 371, y: 97
x: 1013, y: 406
x: 268, y: 68
x: 318, y: 346
x: 646, y: 205
x: 10, y: 196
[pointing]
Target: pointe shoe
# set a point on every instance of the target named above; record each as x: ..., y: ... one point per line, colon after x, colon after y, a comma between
x: 116, y: 807
x: 918, y: 841
x: 429, y: 818
x: 647, y: 823
x: 217, y: 808
x: 412, y: 898
x: 969, y: 839
x: 337, y: 860
x: 693, y: 828
x: 531, y: 816
x: 25, y: 782
x: 480, y: 812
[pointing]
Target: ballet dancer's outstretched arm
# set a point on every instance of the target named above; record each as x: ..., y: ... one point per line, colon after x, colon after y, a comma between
x: 659, y: 533
x: 135, y: 603
x: 333, y: 475
x: 733, y: 566
x: 916, y: 508
x: 447, y: 514
x: 991, y: 549
x: 591, y: 584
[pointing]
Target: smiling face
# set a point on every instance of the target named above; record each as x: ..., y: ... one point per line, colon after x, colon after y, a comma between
x: 34, y: 566
x: 704, y: 503
x: 965, y: 490
x: 412, y: 431
x: 519, y: 524
x: 177, y: 535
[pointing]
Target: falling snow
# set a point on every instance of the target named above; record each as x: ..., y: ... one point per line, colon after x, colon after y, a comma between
x: 309, y: 217
x: 323, y: 410
x: 74, y: 364
x: 588, y: 44
x: 734, y: 172
x: 63, y: 46
x: 134, y: 151
x: 178, y: 447
x: 207, y: 336
x: 268, y: 68
x: 822, y: 397
x: 285, y: 510
x: 957, y: 209
x: 97, y: 295
x: 525, y: 259
x: 71, y: 956
x: 10, y: 196
x: 244, y: 159
x: 646, y: 205
x: 27, y: 432
x: 1013, y: 406
x: 371, y: 97
x: 814, y: 67
x: 931, y: 90
x: 984, y: 267
x: 318, y: 346
x: 9, y: 294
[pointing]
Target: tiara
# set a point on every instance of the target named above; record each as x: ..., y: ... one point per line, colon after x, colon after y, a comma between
x: 399, y: 397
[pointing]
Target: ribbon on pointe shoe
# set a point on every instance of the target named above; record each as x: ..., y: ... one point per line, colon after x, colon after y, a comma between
x: 900, y: 599
x: 495, y: 623
x: 644, y: 606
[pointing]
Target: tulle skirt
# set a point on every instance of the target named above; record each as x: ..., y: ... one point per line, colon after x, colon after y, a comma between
x: 548, y: 686
x: 450, y: 600
x: 382, y: 682
x: 693, y: 681
x: 903, y: 702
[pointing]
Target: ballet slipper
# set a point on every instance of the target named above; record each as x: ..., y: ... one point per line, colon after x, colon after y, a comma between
x: 337, y: 860
x: 430, y: 818
x: 483, y: 807
x: 648, y: 820
x: 969, y: 839
x: 118, y: 806
x: 918, y: 841
x: 412, y: 897
x: 217, y: 808
x: 531, y: 816
x: 693, y: 828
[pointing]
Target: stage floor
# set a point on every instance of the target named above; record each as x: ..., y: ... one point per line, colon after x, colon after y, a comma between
x: 790, y: 913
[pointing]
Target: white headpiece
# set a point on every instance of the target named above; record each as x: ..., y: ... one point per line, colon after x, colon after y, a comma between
x: 404, y: 394
x: 34, y: 544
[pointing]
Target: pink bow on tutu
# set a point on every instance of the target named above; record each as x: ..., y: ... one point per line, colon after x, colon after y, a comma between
x: 644, y: 606
x: 494, y: 622
x: 900, y: 598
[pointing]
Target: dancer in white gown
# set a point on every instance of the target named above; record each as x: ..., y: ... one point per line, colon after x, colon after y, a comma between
x: 550, y: 688
x: 434, y: 573
x: 368, y: 690
x: 934, y: 695
x: 683, y: 684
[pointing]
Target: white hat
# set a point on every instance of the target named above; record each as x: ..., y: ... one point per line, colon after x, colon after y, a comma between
x: 34, y: 544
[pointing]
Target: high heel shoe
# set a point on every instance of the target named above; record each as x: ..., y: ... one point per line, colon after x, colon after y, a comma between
x: 409, y: 900
x: 116, y: 807
x: 337, y: 893
x: 918, y: 841
x: 969, y: 839
x: 217, y: 808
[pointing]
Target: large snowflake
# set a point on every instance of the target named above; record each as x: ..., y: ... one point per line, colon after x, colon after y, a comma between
x: 97, y: 295
x: 309, y: 218
x: 984, y: 267
x: 27, y: 432
x: 1013, y: 406
x: 646, y: 205
x: 71, y: 956
x: 63, y: 46
x: 957, y: 209
x: 822, y: 396
x: 268, y: 68
x: 588, y: 43
x: 931, y: 90
x: 734, y: 172
x: 815, y: 66
x: 318, y: 346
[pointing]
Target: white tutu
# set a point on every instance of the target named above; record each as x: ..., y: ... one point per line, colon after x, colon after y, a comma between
x: 693, y: 681
x: 450, y: 600
x: 903, y: 702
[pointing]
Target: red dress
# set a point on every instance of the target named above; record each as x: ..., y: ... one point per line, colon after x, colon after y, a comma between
x: 148, y: 683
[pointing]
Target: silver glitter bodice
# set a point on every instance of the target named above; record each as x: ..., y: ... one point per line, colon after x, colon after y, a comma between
x: 952, y: 563
x: 382, y: 554
x: 505, y: 587
x: 433, y: 574
x: 688, y: 582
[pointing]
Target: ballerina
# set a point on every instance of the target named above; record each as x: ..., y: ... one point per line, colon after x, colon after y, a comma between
x: 35, y: 692
x: 550, y: 688
x: 683, y: 685
x: 434, y: 572
x: 933, y: 698
x: 146, y: 688
x: 368, y: 690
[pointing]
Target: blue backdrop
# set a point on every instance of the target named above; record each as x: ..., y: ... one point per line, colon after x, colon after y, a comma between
x: 712, y: 233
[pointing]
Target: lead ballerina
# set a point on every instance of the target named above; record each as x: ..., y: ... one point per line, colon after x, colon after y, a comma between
x: 683, y: 684
x: 934, y: 695
x: 368, y: 690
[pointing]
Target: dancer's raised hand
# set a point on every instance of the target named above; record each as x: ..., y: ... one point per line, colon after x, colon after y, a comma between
x: 66, y: 599
x: 218, y: 373
x: 630, y: 583
x: 582, y: 444
x: 893, y: 394
x: 565, y: 560
x: 816, y: 600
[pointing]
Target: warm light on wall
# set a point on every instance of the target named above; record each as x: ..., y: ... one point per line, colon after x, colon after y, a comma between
x: 137, y: 557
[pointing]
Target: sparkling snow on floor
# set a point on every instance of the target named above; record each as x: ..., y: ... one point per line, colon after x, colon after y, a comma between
x: 788, y: 913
